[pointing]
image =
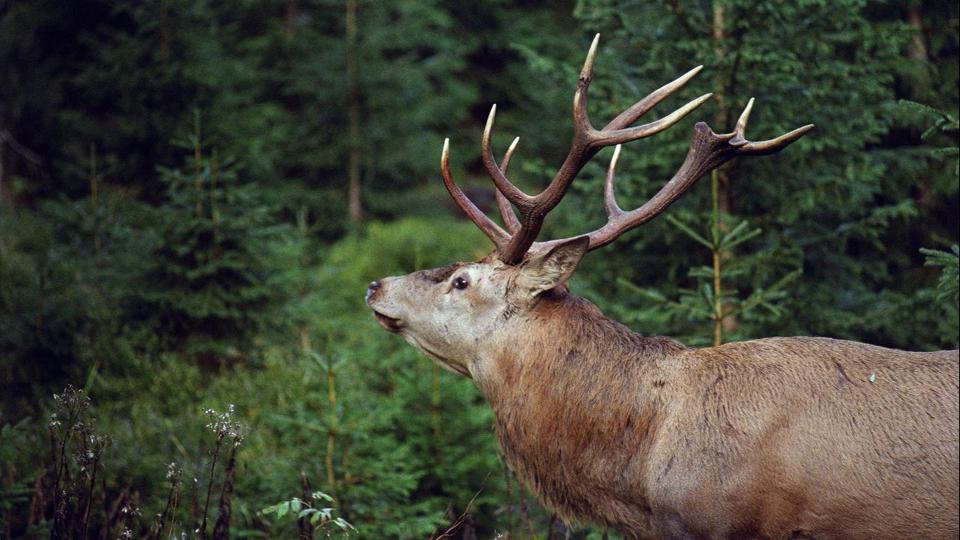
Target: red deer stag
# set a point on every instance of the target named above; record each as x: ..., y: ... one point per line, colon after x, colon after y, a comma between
x: 773, y: 438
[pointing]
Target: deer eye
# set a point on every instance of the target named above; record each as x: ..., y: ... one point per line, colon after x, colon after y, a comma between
x: 460, y: 283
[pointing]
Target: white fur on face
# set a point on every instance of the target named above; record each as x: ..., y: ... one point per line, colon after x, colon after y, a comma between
x: 457, y: 314
x: 450, y: 325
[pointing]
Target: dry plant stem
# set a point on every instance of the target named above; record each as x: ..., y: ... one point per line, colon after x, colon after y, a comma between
x: 170, y: 507
x: 304, y: 527
x: 463, y: 515
x: 90, y: 488
x: 221, y: 529
x: 63, y: 470
x: 113, y: 515
x: 332, y: 431
x: 206, y: 502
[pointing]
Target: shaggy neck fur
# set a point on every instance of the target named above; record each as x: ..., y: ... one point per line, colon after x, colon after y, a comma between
x: 576, y: 401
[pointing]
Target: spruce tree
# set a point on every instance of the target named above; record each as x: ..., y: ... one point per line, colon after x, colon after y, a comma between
x: 835, y: 205
x: 209, y: 292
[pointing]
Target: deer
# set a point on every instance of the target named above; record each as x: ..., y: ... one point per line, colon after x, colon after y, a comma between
x: 783, y: 437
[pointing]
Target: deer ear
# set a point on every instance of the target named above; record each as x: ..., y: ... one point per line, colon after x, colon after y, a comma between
x: 544, y: 272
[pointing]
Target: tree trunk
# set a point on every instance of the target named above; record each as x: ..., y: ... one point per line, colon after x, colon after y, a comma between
x: 918, y: 46
x: 354, y: 203
x: 3, y: 178
x: 290, y: 18
x: 721, y: 194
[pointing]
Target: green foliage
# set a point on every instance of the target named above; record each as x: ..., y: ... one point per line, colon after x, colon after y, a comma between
x: 943, y: 125
x: 169, y: 279
x: 66, y: 276
x: 949, y: 284
x: 703, y: 303
x: 398, y: 471
x: 946, y: 297
x: 838, y: 204
x: 210, y: 288
x: 322, y: 517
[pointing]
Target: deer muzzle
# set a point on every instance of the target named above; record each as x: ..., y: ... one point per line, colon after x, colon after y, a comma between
x: 391, y: 324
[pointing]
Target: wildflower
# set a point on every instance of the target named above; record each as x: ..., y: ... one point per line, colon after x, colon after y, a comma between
x: 224, y: 425
x: 173, y: 470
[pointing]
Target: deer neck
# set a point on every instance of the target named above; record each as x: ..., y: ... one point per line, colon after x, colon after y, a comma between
x: 574, y: 394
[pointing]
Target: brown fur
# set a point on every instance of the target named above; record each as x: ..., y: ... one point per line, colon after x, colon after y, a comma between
x: 772, y: 438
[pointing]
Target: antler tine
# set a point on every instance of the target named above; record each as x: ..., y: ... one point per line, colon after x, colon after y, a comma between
x: 506, y: 211
x: 772, y: 146
x: 587, y: 141
x: 510, y: 191
x: 609, y: 199
x: 761, y: 148
x: 616, y: 132
x: 708, y: 150
x: 643, y: 106
x: 741, y: 128
x: 581, y: 118
x: 493, y: 231
x: 621, y: 136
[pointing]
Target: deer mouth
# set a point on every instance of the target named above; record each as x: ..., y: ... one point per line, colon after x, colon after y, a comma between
x: 388, y: 323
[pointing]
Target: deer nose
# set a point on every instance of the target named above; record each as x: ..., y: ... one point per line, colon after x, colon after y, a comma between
x: 372, y: 288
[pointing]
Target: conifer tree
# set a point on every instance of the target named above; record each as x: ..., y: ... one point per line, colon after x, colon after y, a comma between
x: 834, y: 205
x: 209, y: 292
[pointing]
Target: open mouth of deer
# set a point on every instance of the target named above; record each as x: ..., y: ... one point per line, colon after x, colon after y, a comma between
x: 388, y: 323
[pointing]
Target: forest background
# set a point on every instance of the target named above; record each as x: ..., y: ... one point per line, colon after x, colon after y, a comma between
x: 193, y: 195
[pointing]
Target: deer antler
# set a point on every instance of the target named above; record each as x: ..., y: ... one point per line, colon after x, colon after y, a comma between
x: 493, y: 231
x: 707, y: 151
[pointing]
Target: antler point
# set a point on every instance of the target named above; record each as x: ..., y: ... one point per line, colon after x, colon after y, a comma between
x: 744, y: 118
x: 587, y: 70
x: 490, y: 118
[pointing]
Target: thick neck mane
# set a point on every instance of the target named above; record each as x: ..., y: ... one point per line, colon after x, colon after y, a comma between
x: 566, y: 338
x: 573, y: 391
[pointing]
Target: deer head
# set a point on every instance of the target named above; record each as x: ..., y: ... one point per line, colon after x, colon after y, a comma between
x: 455, y: 314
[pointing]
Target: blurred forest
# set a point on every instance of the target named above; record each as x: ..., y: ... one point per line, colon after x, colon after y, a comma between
x: 193, y: 195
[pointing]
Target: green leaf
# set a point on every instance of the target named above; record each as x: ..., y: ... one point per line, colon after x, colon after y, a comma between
x: 689, y: 232
x: 321, y: 495
x: 738, y: 236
